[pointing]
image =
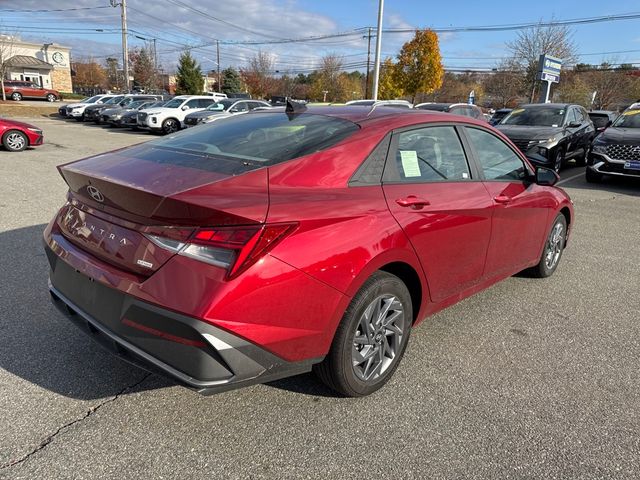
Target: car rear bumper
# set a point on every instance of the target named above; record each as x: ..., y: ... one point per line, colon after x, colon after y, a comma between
x: 194, y: 353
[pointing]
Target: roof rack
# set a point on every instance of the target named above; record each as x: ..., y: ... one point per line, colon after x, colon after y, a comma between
x: 377, y: 103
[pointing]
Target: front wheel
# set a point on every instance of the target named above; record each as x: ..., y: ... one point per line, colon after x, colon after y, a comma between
x: 553, y: 248
x: 558, y: 160
x: 15, y: 141
x: 371, y: 338
x: 170, y: 126
x: 51, y: 97
x: 16, y: 96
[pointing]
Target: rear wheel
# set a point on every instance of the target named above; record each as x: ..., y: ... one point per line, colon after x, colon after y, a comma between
x: 51, y: 97
x: 371, y: 338
x: 581, y: 161
x: 170, y: 125
x: 16, y: 96
x: 553, y: 248
x: 592, y: 177
x: 15, y: 141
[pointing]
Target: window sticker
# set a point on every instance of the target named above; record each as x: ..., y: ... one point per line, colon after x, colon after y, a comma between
x: 410, y: 164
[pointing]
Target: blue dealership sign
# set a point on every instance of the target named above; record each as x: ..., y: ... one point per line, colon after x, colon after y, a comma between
x: 549, y: 68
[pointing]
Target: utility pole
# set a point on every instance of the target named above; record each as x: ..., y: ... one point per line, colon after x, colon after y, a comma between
x: 125, y: 51
x: 366, y: 85
x: 376, y: 68
x: 218, y: 61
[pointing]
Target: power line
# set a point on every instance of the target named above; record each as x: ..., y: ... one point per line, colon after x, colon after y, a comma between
x: 47, y: 10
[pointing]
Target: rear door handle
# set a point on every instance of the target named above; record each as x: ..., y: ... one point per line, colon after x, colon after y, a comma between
x: 416, y: 203
x: 502, y: 199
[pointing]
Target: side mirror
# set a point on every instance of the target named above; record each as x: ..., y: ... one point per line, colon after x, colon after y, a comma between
x: 185, y: 107
x: 574, y: 124
x: 546, y: 177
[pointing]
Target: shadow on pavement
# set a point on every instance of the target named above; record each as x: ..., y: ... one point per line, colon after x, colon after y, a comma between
x: 37, y: 343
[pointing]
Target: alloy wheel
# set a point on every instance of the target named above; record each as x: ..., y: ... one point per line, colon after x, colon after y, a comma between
x: 170, y: 126
x: 554, y: 246
x: 16, y: 96
x: 15, y: 141
x: 378, y: 337
x: 51, y: 97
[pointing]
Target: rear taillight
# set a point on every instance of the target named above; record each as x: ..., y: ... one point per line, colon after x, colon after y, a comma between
x: 232, y: 248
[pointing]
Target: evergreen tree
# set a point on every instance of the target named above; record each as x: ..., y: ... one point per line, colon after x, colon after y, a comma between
x: 189, y: 79
x: 231, y: 81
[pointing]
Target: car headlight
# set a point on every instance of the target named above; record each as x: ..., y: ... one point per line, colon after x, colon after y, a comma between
x: 553, y: 139
x: 36, y: 130
x: 599, y: 148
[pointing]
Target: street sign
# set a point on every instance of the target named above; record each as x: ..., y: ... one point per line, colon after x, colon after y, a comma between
x: 549, y: 68
x: 548, y: 77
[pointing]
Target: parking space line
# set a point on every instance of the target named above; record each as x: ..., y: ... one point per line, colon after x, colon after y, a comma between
x: 570, y: 178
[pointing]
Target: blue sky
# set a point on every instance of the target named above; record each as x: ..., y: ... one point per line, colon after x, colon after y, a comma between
x: 175, y: 27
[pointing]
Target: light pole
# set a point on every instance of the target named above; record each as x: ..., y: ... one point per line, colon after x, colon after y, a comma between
x: 376, y: 70
x: 125, y: 51
x: 366, y: 85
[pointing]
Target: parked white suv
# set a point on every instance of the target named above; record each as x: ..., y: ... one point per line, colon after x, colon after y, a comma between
x: 170, y: 117
x: 76, y: 110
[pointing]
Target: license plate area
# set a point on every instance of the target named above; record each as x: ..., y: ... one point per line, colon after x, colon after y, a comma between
x: 632, y: 165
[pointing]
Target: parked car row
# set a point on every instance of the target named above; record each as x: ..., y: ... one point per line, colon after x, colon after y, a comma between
x: 153, y: 113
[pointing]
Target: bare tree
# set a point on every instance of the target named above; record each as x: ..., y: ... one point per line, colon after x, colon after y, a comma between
x: 258, y: 75
x: 327, y: 84
x: 506, y: 86
x: 555, y: 40
x: 7, y: 44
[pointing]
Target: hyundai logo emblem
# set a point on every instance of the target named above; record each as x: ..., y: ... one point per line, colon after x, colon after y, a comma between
x: 95, y: 193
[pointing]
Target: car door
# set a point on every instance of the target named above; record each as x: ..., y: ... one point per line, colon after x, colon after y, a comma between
x: 34, y: 91
x: 574, y: 133
x: 520, y: 207
x: 436, y: 197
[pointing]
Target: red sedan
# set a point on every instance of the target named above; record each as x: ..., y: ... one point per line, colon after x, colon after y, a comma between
x: 16, y: 136
x: 271, y: 243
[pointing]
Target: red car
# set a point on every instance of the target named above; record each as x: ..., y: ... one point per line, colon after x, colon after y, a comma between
x: 17, y: 90
x: 16, y: 136
x: 267, y: 244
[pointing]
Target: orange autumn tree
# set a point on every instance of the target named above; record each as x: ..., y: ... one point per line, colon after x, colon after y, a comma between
x: 419, y: 68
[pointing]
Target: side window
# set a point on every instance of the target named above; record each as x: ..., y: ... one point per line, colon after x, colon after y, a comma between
x: 431, y: 154
x: 457, y: 111
x: 205, y: 102
x: 193, y: 103
x: 253, y: 105
x: 497, y: 160
x: 240, y: 107
x: 571, y: 116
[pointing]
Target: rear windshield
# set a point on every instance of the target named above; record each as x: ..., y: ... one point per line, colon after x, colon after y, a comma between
x: 599, y: 120
x: 434, y: 106
x: 261, y: 138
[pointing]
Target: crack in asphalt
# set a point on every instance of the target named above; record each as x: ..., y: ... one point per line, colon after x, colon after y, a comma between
x: 44, y: 443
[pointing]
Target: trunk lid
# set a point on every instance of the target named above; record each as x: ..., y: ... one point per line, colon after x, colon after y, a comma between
x: 117, y: 197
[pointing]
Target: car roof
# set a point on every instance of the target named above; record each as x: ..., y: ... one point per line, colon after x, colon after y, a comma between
x: 547, y: 105
x: 389, y: 116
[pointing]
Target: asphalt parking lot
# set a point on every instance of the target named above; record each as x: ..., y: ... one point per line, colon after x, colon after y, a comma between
x: 529, y: 379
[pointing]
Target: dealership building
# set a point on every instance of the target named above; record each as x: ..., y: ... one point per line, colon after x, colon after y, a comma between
x: 46, y: 64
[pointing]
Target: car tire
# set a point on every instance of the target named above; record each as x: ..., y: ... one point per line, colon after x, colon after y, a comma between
x: 581, y: 161
x: 360, y: 363
x: 553, y: 248
x: 170, y: 125
x: 51, y: 97
x: 558, y: 160
x: 15, y: 141
x: 16, y: 96
x: 592, y: 177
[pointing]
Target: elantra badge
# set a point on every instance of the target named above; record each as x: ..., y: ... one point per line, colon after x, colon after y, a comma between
x: 95, y: 193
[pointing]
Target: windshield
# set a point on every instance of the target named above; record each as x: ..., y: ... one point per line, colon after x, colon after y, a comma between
x: 434, y: 106
x: 629, y: 119
x: 157, y: 104
x: 93, y: 99
x: 263, y: 138
x: 599, y: 121
x: 174, y: 103
x: 137, y: 103
x: 220, y: 106
x: 535, y: 116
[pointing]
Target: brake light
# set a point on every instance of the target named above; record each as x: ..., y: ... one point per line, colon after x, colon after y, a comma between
x: 232, y: 248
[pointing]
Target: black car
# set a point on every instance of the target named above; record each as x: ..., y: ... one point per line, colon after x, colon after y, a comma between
x: 616, y: 151
x: 113, y: 116
x: 130, y: 118
x: 465, y: 109
x: 602, y: 119
x: 550, y: 133
x: 94, y: 112
x: 498, y: 115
